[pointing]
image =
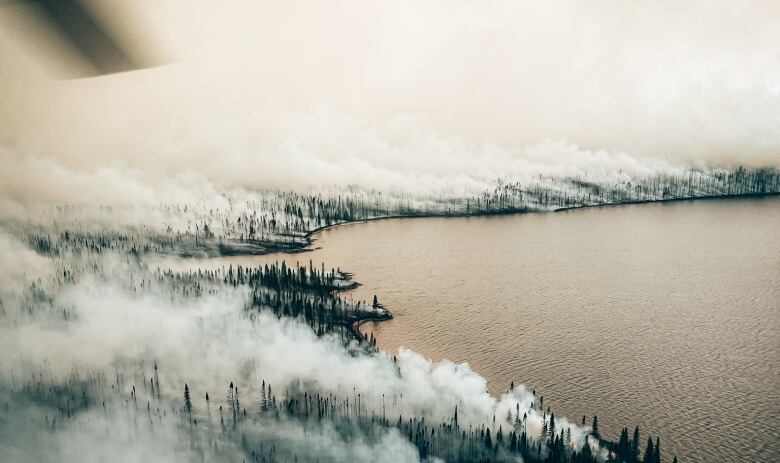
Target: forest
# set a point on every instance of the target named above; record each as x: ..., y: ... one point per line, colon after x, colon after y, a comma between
x: 108, y: 352
x: 219, y: 426
x: 263, y: 221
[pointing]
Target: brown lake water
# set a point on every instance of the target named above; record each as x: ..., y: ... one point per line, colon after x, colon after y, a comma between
x: 665, y: 316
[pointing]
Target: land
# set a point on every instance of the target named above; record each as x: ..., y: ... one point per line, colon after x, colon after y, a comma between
x: 86, y: 250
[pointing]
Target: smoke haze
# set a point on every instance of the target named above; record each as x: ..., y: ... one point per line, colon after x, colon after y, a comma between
x: 207, y: 342
x: 403, y: 95
x: 412, y: 98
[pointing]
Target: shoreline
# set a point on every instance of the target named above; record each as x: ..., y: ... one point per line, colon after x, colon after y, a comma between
x: 310, y: 235
x: 357, y: 324
x: 671, y: 200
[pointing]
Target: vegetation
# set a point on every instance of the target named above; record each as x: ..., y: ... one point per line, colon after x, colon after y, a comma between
x: 304, y: 293
x: 238, y: 422
x: 268, y: 221
x: 107, y: 247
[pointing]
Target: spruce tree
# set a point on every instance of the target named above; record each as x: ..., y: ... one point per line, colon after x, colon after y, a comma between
x: 623, y: 445
x: 187, y: 400
x: 649, y: 451
x: 634, y: 456
x: 231, y: 400
x: 551, y: 428
x: 586, y: 455
x: 263, y: 398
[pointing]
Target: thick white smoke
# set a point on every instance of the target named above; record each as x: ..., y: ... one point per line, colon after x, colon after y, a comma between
x: 210, y: 342
x: 18, y: 266
x: 405, y: 96
x: 420, y: 98
x: 114, y: 434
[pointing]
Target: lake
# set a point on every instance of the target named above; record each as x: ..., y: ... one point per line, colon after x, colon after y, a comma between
x: 660, y: 315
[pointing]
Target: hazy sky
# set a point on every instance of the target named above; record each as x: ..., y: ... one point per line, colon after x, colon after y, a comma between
x: 406, y: 94
x: 384, y: 93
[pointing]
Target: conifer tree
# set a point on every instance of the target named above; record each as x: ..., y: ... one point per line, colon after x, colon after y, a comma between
x: 649, y: 451
x: 237, y: 406
x: 263, y: 398
x: 156, y: 382
x: 623, y: 447
x: 231, y: 400
x: 586, y: 455
x: 634, y: 455
x: 187, y: 400
x: 551, y: 427
x: 522, y: 446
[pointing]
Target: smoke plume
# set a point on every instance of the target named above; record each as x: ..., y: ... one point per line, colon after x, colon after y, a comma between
x: 405, y: 96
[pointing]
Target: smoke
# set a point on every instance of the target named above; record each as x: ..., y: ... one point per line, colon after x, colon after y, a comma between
x: 18, y: 265
x: 208, y: 342
x: 411, y: 97
x: 115, y: 434
x: 406, y: 96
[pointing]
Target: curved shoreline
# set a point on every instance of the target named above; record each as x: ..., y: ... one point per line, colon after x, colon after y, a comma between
x: 359, y: 323
x: 310, y: 234
x: 355, y: 326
